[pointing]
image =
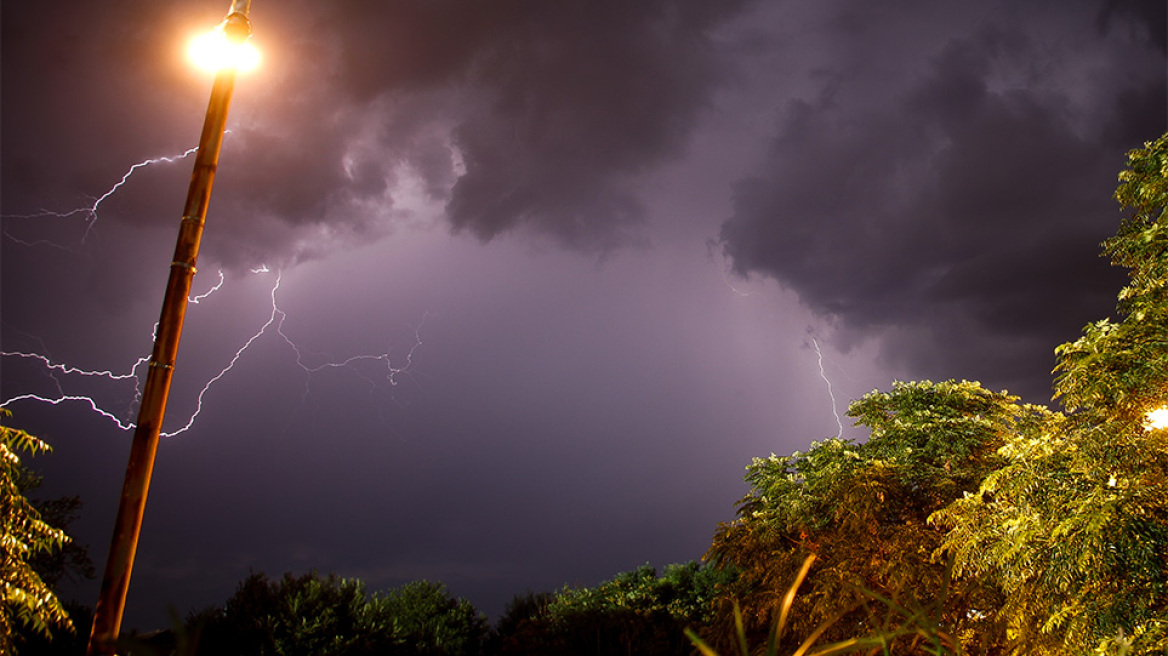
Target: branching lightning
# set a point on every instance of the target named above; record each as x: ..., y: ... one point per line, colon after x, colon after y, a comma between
x: 89, y: 213
x: 131, y: 374
x: 214, y: 288
x: 391, y: 372
x: 61, y: 399
x: 275, y: 319
x: 91, y: 216
x: 230, y: 365
x: 66, y: 369
x: 57, y: 371
x: 830, y: 392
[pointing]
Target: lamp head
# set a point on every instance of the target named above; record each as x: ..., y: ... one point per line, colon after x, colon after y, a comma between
x: 226, y: 46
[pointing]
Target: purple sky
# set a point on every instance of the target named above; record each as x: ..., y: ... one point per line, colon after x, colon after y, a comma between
x: 602, y: 239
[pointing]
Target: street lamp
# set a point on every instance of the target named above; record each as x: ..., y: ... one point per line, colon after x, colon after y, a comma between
x: 215, y: 50
x: 1156, y: 419
x: 107, y: 615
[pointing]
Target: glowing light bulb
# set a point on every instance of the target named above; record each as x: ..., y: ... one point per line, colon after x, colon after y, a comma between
x: 213, y: 51
x: 1157, y: 419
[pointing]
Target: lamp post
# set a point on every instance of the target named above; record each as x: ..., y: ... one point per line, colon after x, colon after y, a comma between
x: 107, y: 617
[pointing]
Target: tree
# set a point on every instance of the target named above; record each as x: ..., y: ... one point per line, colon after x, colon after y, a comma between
x: 422, y: 618
x: 70, y: 562
x: 24, y: 535
x: 1074, y: 526
x: 635, y: 612
x: 523, y: 627
x: 862, y: 510
x: 298, y: 615
x: 312, y: 615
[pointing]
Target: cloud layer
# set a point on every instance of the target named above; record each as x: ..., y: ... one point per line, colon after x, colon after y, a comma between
x: 952, y: 199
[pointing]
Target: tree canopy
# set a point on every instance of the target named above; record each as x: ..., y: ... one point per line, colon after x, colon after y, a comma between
x: 313, y: 615
x: 862, y: 510
x: 635, y: 612
x: 1074, y: 526
x: 1034, y: 531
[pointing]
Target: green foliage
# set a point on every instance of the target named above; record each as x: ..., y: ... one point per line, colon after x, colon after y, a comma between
x: 635, y: 612
x: 862, y: 510
x: 70, y: 562
x: 1074, y: 527
x: 1057, y: 525
x: 294, y: 616
x: 1116, y: 372
x: 28, y: 600
x: 422, y: 618
x: 311, y: 615
x: 920, y: 627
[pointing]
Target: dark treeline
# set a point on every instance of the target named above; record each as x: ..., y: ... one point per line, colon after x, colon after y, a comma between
x: 636, y: 612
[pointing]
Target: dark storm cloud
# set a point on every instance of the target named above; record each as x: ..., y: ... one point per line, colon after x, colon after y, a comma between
x: 960, y: 214
x: 557, y: 108
x: 1149, y: 16
x: 530, y: 114
x: 584, y: 97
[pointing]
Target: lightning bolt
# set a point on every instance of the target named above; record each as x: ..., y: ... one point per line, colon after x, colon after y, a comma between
x: 61, y: 399
x: 724, y: 267
x: 30, y: 244
x: 275, y: 321
x: 214, y: 288
x: 90, y: 212
x: 230, y: 365
x: 57, y: 371
x: 391, y: 372
x: 56, y: 367
x: 66, y: 369
x: 830, y: 392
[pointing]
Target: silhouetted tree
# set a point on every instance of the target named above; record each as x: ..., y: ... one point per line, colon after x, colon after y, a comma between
x: 635, y: 612
x: 331, y: 616
x: 523, y: 627
x: 422, y: 618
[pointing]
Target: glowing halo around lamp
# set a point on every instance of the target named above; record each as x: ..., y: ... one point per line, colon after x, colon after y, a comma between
x: 212, y: 52
x: 1157, y: 419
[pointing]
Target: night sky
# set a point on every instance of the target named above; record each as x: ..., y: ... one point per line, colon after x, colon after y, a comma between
x: 588, y: 250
